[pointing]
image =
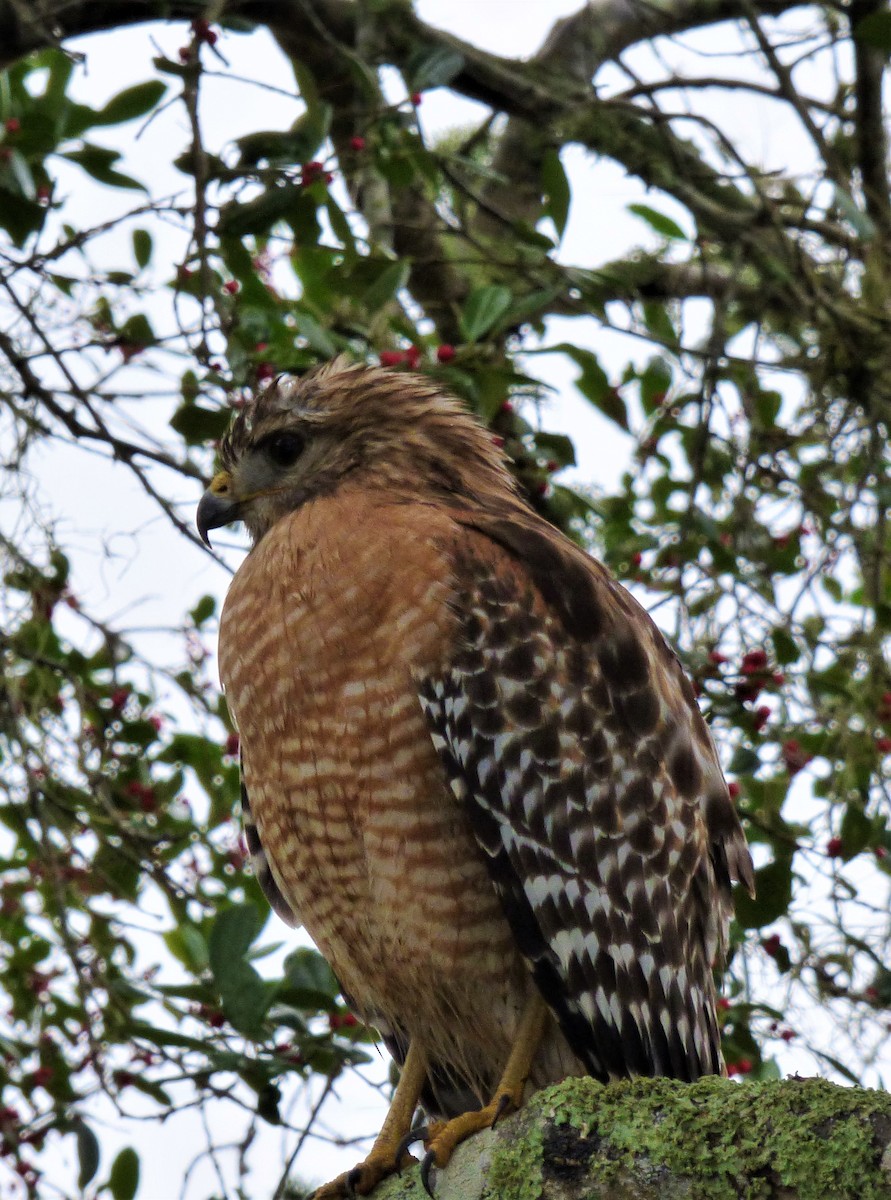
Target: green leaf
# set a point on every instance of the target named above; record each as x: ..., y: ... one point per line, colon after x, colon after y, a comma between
x: 484, y: 308
x: 654, y: 385
x: 187, y: 943
x: 767, y: 407
x: 142, y: 246
x: 556, y: 446
x: 137, y: 330
x: 233, y: 932
x: 258, y: 215
x: 18, y: 216
x: 556, y: 190
x: 785, y: 649
x: 745, y: 761
x: 857, y: 831
x: 131, y: 103
x: 385, y: 287
x: 662, y: 224
x: 245, y: 996
x: 658, y: 322
x: 595, y: 386
x: 197, y: 424
x: 203, y: 610
x: 315, y: 335
x: 148, y: 1087
x: 97, y: 162
x: 773, y: 894
x: 306, y: 969
x: 124, y: 1178
x: 87, y: 1153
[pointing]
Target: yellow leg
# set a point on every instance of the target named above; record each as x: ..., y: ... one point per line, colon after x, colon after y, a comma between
x: 444, y: 1136
x: 381, y: 1162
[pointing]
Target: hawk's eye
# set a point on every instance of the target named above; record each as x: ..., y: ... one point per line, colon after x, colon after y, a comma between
x: 284, y: 448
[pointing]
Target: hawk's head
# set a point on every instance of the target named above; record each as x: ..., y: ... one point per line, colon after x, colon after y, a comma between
x: 302, y: 438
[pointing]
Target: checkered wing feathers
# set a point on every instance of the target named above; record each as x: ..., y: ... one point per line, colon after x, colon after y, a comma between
x: 573, y: 741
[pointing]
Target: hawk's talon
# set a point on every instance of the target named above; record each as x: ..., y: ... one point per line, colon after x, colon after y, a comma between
x: 428, y: 1161
x: 503, y: 1105
x: 420, y: 1133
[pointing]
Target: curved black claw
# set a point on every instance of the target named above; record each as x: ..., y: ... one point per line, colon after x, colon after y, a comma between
x: 420, y: 1133
x: 504, y: 1103
x: 428, y: 1161
x: 352, y: 1179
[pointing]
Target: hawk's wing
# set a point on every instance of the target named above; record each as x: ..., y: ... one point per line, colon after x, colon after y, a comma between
x: 572, y: 738
x: 260, y: 862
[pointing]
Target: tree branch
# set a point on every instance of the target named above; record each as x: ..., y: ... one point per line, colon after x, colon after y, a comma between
x: 656, y: 1139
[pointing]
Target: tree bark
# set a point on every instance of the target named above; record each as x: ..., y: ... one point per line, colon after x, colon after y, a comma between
x: 656, y: 1139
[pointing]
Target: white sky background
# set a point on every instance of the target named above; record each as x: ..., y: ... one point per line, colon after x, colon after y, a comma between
x: 153, y: 574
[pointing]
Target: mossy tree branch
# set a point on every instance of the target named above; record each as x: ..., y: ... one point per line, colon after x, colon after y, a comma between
x: 799, y: 1139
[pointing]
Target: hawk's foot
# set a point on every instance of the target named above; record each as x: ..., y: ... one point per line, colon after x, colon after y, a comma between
x: 444, y: 1136
x: 365, y: 1177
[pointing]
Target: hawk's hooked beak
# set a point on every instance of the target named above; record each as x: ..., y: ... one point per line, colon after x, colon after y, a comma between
x: 218, y: 506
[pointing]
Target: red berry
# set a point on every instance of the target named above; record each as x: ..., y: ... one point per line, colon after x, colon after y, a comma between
x: 43, y: 193
x: 392, y: 358
x: 794, y: 756
x: 753, y: 662
x: 762, y: 716
x: 636, y: 557
x: 733, y: 789
x: 507, y: 407
x: 233, y: 743
x: 723, y: 1004
x: 772, y: 945
x: 445, y: 353
x: 883, y: 745
x: 834, y: 847
x: 357, y: 144
x: 119, y: 697
x: 743, y: 1067
x: 881, y: 852
x: 716, y: 657
x: 231, y: 286
x: 265, y: 370
x: 413, y: 356
x: 184, y: 54
x: 778, y: 678
x: 157, y: 722
x: 787, y: 1035
x: 416, y: 98
x: 42, y: 1076
x: 497, y: 441
x: 311, y: 171
x: 12, y: 125
x: 342, y: 1020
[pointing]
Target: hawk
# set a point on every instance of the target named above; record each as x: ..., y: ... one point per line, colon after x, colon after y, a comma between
x: 472, y: 767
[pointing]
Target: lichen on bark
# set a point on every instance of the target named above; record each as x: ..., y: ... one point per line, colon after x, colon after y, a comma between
x: 797, y: 1139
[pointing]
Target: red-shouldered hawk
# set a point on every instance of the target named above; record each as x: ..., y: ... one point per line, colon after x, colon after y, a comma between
x: 473, y: 769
